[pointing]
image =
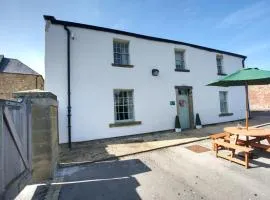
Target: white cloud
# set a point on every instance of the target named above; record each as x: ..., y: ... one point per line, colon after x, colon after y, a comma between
x: 245, y: 16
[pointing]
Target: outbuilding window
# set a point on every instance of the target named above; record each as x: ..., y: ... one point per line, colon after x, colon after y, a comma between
x: 223, y: 97
x: 121, y: 52
x: 123, y: 105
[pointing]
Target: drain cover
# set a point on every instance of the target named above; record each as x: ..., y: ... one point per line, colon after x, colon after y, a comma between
x: 197, y: 148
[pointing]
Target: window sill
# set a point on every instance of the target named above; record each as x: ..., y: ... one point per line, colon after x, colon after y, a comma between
x: 182, y: 70
x: 120, y: 65
x: 225, y: 114
x: 120, y: 124
x: 221, y: 74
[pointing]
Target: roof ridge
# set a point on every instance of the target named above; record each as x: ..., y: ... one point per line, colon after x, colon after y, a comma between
x: 14, y: 65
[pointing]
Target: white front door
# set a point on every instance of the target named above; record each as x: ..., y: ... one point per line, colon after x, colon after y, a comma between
x: 183, y: 108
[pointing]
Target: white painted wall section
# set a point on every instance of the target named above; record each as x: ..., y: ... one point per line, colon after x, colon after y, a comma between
x: 93, y: 79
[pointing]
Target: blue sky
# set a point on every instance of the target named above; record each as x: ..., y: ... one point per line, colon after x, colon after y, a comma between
x: 241, y: 26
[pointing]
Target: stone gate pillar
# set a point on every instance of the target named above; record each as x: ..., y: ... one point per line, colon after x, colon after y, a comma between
x: 44, y: 133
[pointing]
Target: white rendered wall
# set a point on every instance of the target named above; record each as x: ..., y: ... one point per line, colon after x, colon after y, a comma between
x: 93, y: 79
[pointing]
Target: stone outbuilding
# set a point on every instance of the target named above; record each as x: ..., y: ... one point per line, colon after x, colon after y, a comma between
x: 16, y: 76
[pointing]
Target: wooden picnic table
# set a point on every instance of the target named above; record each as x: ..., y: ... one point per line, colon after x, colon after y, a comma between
x: 253, y: 138
x: 257, y: 134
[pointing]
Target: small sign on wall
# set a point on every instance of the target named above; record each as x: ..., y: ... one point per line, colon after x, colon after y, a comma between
x: 172, y: 103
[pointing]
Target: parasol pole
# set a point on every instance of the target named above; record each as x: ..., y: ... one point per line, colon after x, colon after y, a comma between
x: 247, y: 113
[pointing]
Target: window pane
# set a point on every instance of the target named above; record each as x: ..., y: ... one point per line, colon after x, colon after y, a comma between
x: 116, y: 101
x: 221, y: 108
x: 125, y: 115
x: 219, y: 69
x: 126, y: 108
x: 129, y: 93
x: 131, y: 111
x: 121, y: 93
x: 121, y: 116
x: 124, y: 59
x: 221, y: 96
x: 130, y: 115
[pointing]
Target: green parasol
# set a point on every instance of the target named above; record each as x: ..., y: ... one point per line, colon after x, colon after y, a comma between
x: 244, y: 77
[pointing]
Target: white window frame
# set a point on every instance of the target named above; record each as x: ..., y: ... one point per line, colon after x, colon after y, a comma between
x: 183, y: 62
x: 223, y: 101
x: 122, y: 51
x: 121, y: 103
x: 220, y: 67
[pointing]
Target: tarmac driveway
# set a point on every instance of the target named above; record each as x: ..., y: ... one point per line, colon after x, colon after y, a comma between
x: 171, y: 173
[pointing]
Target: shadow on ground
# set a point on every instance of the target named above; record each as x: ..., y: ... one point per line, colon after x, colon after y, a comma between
x: 40, y: 192
x: 103, y: 180
x: 96, y: 150
x: 259, y: 157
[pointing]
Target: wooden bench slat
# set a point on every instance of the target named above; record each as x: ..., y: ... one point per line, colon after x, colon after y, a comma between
x: 241, y: 142
x: 232, y: 159
x: 221, y: 143
x: 218, y: 135
x: 262, y: 146
x: 227, y: 137
x: 233, y: 146
x: 215, y: 136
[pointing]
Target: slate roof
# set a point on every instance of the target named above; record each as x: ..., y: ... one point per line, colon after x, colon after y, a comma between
x: 10, y: 65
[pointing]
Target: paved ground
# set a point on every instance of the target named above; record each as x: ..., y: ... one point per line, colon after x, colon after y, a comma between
x: 112, y: 148
x: 171, y: 173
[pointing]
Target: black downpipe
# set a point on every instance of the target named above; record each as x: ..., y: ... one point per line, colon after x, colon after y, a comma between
x: 68, y: 87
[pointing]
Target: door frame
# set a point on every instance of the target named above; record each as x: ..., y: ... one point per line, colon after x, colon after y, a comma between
x: 190, y: 102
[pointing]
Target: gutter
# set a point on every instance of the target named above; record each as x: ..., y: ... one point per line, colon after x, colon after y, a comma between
x: 68, y: 87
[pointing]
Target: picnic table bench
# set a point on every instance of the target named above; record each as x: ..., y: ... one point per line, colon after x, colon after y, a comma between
x: 261, y: 146
x: 221, y: 135
x: 233, y: 148
x: 229, y: 139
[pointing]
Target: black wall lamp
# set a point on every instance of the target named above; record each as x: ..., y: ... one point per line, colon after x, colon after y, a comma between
x: 155, y: 72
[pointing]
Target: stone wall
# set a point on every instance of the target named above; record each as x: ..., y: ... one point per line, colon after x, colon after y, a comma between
x: 259, y: 97
x: 10, y: 83
x: 44, y: 133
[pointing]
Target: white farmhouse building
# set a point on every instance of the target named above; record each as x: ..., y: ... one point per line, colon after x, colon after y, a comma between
x: 113, y: 83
